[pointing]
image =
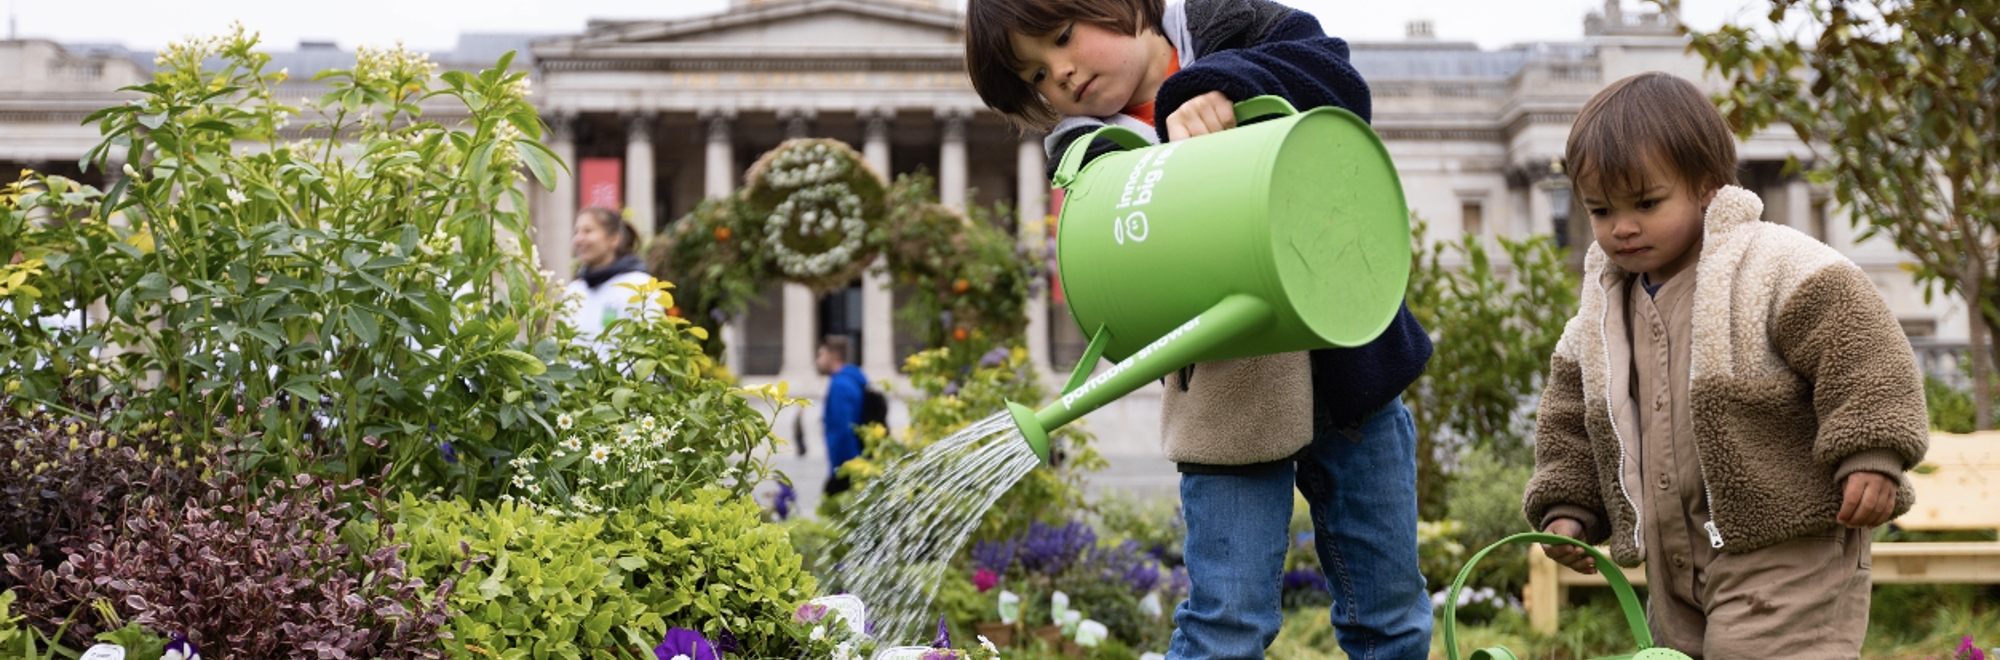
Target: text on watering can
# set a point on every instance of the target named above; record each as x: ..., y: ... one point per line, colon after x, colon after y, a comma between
x: 1138, y: 192
x: 1116, y: 369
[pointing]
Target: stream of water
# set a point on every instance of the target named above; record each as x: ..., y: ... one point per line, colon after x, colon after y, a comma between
x: 905, y: 526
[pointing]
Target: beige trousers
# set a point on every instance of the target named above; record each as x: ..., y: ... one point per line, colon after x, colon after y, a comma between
x: 1804, y: 598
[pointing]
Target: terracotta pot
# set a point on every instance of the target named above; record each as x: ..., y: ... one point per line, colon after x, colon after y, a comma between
x: 1001, y: 634
x: 1052, y: 635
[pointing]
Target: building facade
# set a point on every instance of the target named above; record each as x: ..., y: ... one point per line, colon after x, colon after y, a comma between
x: 657, y: 114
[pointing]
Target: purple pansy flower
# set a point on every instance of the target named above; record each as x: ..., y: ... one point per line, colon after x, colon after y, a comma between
x: 180, y: 649
x: 726, y: 642
x: 684, y: 644
x: 809, y: 613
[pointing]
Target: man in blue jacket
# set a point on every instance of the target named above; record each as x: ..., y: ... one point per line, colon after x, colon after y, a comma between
x: 843, y: 409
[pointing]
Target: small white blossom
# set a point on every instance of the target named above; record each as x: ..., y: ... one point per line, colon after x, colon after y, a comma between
x: 599, y: 454
x: 572, y: 444
x: 988, y: 645
x: 646, y: 423
x: 818, y: 633
x: 236, y: 197
x: 564, y: 421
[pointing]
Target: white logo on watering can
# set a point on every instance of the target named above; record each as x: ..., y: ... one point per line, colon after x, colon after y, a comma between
x: 1132, y: 226
x: 1139, y: 185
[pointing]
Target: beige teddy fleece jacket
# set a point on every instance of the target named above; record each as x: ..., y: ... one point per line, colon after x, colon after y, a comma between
x: 1800, y: 376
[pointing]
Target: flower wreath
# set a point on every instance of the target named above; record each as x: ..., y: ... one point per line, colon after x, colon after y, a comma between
x: 818, y: 202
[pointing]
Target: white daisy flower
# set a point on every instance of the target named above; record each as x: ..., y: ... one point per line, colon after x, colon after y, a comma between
x: 646, y: 423
x: 988, y: 645
x: 572, y: 444
x: 520, y: 482
x: 599, y: 454
x: 564, y: 421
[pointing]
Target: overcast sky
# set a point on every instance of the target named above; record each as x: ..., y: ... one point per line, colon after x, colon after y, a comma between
x: 436, y: 24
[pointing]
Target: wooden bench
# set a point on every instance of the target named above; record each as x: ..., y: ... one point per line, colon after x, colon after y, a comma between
x: 1958, y: 488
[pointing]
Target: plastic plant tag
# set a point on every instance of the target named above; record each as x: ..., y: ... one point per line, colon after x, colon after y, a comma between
x: 104, y: 652
x: 902, y: 653
x: 1058, y: 605
x: 1150, y: 605
x: 1089, y: 633
x: 1149, y: 655
x: 1070, y: 620
x: 852, y: 610
x: 1010, y: 607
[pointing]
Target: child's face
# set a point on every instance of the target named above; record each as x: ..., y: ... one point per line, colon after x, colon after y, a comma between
x: 1083, y: 69
x: 1655, y: 230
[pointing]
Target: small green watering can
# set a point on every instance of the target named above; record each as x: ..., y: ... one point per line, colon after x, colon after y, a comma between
x: 1280, y: 236
x: 1634, y: 615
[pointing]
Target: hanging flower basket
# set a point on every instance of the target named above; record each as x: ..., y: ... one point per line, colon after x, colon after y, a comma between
x: 814, y: 205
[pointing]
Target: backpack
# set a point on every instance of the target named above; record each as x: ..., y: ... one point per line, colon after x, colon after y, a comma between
x: 874, y: 407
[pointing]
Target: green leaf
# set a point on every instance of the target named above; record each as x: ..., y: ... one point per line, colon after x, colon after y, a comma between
x: 363, y: 324
x: 522, y: 362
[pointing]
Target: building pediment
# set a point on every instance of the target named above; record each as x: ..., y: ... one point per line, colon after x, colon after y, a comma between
x: 779, y: 24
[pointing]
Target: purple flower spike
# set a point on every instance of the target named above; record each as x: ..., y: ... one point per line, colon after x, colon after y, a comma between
x: 684, y: 644
x: 993, y: 358
x: 450, y: 455
x: 943, y: 640
x: 181, y: 649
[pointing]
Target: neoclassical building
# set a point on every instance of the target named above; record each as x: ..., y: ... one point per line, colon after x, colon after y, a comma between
x: 655, y: 115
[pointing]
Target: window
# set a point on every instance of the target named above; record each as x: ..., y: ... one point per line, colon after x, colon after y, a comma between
x: 1472, y: 217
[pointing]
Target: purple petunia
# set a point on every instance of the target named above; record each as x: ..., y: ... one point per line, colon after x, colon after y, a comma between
x: 1304, y: 579
x: 684, y: 644
x: 994, y: 556
x: 984, y: 580
x: 993, y: 358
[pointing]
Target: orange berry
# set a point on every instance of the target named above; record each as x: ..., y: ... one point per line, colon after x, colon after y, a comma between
x: 960, y: 286
x: 674, y: 311
x: 722, y: 234
x: 958, y: 334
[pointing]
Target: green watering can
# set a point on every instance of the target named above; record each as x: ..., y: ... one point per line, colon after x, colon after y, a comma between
x: 1280, y: 236
x: 1634, y: 616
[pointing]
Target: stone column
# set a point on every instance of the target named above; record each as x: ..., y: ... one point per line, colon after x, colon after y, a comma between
x: 797, y: 121
x: 801, y: 340
x: 639, y: 173
x: 1798, y: 206
x: 558, y: 219
x: 719, y: 180
x: 1031, y: 200
x: 878, y: 320
x: 952, y: 156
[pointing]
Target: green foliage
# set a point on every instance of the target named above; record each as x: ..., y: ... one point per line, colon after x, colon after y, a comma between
x: 954, y: 394
x: 536, y: 584
x: 1897, y: 98
x: 1484, y: 501
x: 366, y: 296
x: 1494, y: 327
x: 966, y: 278
x: 648, y: 419
x: 19, y: 641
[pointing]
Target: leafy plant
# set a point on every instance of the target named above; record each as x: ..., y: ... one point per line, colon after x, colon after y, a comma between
x: 609, y: 586
x: 649, y: 420
x: 64, y: 482
x: 243, y: 575
x: 968, y: 279
x: 1896, y: 99
x: 1494, y: 327
x: 1485, y: 505
x: 364, y: 295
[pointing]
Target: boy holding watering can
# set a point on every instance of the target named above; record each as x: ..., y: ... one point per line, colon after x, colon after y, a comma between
x: 1245, y: 432
x: 1733, y: 403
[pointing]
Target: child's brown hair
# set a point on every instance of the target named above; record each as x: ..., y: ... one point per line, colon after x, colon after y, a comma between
x: 1646, y: 119
x: 989, y: 51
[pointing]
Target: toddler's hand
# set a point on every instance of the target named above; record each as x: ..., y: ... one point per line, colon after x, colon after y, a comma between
x: 1568, y: 555
x: 1201, y: 115
x: 1870, y: 499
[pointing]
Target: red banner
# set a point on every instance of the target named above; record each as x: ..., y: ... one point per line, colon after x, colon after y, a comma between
x: 601, y: 182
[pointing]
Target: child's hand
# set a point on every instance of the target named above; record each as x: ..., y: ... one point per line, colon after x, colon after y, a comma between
x: 1568, y: 555
x: 1871, y: 497
x: 1201, y: 115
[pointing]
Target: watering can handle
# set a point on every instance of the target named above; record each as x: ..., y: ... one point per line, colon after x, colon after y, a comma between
x: 1634, y: 616
x: 1072, y: 160
x: 1091, y: 354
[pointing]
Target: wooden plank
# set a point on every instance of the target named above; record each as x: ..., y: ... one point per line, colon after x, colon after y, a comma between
x: 1544, y: 595
x: 1957, y: 484
x: 1936, y: 563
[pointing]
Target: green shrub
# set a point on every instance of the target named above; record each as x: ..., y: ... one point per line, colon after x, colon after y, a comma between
x: 532, y: 582
x: 368, y: 297
x: 1484, y: 499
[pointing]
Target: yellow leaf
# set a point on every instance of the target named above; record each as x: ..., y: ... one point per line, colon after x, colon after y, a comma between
x: 783, y: 387
x: 666, y: 300
x: 17, y: 278
x: 698, y: 332
x: 141, y: 239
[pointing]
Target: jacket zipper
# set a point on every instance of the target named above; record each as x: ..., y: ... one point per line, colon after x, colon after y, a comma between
x: 1610, y: 413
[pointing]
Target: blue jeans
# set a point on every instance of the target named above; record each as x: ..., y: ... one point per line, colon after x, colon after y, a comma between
x: 1362, y: 487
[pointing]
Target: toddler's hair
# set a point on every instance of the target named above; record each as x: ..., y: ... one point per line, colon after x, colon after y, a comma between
x: 1645, y: 120
x: 989, y: 51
